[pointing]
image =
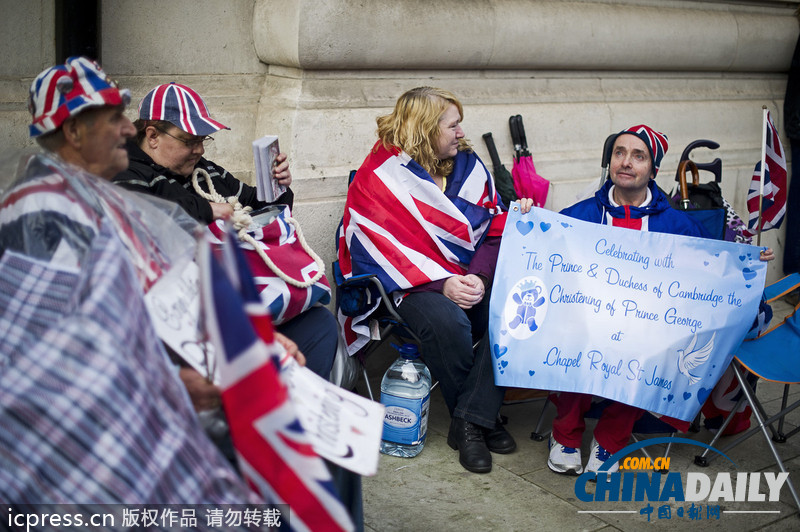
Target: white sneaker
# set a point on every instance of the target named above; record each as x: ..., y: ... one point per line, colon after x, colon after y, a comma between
x: 597, y: 457
x: 564, y: 460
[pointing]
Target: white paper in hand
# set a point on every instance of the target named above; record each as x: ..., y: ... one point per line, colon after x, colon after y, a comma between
x: 265, y: 150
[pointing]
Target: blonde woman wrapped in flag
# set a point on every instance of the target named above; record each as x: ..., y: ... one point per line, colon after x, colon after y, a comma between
x: 424, y: 215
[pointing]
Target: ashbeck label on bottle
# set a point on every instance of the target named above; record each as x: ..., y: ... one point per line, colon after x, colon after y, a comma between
x: 405, y: 420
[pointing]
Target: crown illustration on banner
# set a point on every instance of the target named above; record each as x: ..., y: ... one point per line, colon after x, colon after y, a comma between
x: 527, y: 285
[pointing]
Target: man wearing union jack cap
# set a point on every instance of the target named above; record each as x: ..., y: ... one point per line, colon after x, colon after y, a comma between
x: 78, y: 113
x: 85, y: 379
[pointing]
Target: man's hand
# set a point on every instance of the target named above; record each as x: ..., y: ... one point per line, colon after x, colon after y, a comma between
x: 525, y: 204
x: 205, y: 395
x: 291, y: 348
x: 767, y: 255
x: 466, y: 291
x: 281, y: 171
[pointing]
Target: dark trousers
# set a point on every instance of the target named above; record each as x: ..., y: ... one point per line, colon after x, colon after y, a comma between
x: 316, y: 335
x: 447, y: 333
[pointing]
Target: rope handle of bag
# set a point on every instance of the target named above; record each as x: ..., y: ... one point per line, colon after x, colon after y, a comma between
x: 241, y: 222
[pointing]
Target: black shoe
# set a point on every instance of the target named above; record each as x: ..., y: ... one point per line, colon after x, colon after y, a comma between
x: 498, y: 440
x: 469, y: 440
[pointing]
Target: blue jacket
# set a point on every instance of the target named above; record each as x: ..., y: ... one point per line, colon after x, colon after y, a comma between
x: 662, y: 218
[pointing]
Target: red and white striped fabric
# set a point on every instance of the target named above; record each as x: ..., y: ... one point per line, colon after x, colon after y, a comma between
x: 399, y: 225
x: 181, y: 106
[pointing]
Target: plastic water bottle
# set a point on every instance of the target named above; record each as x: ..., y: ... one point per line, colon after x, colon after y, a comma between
x: 406, y: 393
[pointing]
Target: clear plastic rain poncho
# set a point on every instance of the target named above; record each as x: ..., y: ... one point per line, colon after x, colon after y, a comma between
x: 91, y: 409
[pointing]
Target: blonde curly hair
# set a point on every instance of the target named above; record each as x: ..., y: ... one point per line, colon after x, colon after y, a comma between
x: 413, y: 127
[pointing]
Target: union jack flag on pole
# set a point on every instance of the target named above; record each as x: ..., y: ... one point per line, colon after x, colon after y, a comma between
x: 272, y: 449
x: 766, y: 198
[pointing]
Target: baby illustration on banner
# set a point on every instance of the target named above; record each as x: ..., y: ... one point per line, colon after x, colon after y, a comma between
x: 524, y: 305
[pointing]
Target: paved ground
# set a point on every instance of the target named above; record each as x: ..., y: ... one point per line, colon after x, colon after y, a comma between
x: 433, y: 492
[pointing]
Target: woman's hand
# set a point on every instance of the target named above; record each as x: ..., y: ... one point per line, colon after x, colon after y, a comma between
x: 767, y: 255
x: 281, y: 171
x: 525, y: 204
x: 221, y: 210
x: 466, y: 291
x: 291, y: 348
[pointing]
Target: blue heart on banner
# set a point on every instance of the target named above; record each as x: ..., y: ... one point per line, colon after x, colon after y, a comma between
x: 504, y: 363
x: 702, y: 395
x: 686, y: 395
x: 524, y: 227
x: 742, y: 257
x: 748, y: 274
x: 531, y: 372
x: 705, y: 263
x: 565, y: 225
x: 670, y: 397
x: 545, y: 226
x: 499, y: 350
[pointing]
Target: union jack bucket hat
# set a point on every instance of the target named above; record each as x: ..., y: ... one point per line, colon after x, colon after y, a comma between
x: 65, y: 90
x: 180, y: 106
x: 656, y: 142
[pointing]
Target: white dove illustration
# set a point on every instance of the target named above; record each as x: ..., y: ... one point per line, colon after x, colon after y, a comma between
x: 688, y: 358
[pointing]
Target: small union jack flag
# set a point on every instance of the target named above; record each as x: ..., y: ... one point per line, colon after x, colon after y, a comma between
x: 272, y: 450
x: 773, y: 204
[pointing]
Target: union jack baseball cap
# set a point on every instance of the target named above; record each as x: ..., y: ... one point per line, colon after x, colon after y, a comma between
x: 656, y: 142
x: 180, y: 106
x: 65, y: 90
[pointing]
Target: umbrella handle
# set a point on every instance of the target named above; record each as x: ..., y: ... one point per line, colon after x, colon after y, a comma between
x: 682, y: 176
x: 523, y: 140
x: 487, y: 138
x: 515, y: 138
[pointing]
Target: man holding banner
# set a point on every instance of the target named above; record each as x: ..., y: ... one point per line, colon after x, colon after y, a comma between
x: 630, y: 199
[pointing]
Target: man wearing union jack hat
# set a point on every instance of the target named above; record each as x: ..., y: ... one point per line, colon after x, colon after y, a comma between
x: 90, y: 407
x: 630, y: 199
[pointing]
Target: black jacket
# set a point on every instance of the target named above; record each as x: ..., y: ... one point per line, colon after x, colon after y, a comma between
x: 144, y: 175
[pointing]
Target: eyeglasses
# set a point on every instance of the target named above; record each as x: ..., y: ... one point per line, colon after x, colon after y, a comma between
x: 191, y: 143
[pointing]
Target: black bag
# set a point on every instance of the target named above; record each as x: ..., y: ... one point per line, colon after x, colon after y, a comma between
x: 704, y: 202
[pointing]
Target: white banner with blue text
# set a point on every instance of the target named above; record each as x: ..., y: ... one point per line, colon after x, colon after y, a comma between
x: 647, y: 319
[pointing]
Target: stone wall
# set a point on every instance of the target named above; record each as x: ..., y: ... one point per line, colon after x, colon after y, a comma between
x: 318, y: 73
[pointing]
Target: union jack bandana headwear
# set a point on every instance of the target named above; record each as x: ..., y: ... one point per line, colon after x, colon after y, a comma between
x: 180, y: 106
x: 656, y: 142
x: 65, y: 90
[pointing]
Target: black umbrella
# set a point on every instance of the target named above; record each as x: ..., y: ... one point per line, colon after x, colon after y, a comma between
x: 502, y: 177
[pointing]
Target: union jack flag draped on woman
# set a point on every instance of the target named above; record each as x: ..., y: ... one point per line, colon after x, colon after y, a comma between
x: 399, y: 225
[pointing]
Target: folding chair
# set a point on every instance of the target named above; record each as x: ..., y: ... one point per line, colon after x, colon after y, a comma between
x: 385, y: 322
x: 773, y: 356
